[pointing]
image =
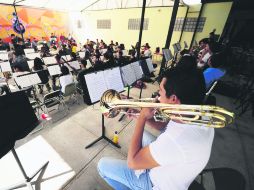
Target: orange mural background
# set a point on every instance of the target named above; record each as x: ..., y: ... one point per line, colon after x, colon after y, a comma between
x: 37, y: 22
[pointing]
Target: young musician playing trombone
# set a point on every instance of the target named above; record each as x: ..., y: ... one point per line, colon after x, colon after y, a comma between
x: 173, y: 159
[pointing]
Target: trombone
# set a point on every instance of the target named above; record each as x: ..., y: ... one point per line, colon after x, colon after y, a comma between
x: 202, y: 115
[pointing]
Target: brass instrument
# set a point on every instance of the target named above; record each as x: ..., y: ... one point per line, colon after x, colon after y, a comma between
x: 202, y: 115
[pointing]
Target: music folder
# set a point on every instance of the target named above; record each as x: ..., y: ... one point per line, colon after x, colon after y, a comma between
x: 54, y: 70
x: 28, y: 80
x: 49, y: 60
x: 167, y: 54
x: 150, y: 64
x: 98, y: 82
x: 5, y: 67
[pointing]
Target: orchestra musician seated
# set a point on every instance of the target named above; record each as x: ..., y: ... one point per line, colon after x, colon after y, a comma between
x: 176, y: 156
x: 65, y: 78
x: 215, y: 70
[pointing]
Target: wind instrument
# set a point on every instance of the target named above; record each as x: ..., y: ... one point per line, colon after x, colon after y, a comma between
x: 202, y: 115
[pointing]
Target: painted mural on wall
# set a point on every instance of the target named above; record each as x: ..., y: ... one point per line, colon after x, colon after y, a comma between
x: 33, y: 23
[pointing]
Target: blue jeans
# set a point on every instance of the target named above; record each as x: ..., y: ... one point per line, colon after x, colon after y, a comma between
x: 117, y: 174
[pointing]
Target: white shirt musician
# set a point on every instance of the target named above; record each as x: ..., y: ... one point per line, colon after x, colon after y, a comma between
x: 173, y: 159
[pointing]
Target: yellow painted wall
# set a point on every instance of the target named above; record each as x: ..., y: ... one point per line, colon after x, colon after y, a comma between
x: 159, y: 19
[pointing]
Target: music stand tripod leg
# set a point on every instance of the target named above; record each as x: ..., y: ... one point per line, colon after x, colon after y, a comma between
x: 103, y: 136
x: 27, y: 181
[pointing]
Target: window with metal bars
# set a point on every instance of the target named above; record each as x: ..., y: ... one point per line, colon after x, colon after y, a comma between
x: 134, y: 24
x: 104, y: 24
x: 190, y: 24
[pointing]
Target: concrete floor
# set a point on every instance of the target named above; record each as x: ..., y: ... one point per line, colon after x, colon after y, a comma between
x: 67, y: 137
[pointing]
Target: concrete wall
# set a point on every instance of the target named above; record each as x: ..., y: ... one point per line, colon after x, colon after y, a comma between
x: 159, y: 17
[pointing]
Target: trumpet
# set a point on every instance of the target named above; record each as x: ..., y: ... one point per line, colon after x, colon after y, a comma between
x: 202, y: 115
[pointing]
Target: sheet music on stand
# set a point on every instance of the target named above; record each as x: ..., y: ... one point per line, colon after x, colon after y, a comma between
x: 27, y: 80
x: 54, y: 70
x: 96, y: 85
x: 137, y: 70
x: 4, y: 55
x: 82, y: 54
x: 5, y: 67
x: 125, y: 52
x: 98, y: 82
x: 49, y: 60
x: 30, y: 64
x: 29, y: 50
x: 89, y: 64
x: 103, y: 51
x: 113, y: 79
x: 167, y: 54
x: 128, y: 75
x: 175, y: 48
x: 75, y: 64
x: 68, y: 57
x: 150, y: 64
x: 32, y: 55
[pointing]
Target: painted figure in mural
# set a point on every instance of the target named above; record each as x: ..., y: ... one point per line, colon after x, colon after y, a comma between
x: 18, y: 27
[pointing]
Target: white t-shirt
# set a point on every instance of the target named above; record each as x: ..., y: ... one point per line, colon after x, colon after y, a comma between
x: 204, y: 59
x: 182, y: 152
x: 64, y: 81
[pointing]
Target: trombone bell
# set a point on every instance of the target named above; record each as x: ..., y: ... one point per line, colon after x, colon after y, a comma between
x: 202, y: 115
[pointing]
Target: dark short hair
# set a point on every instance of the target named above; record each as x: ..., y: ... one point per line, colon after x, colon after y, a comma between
x: 18, y: 66
x: 65, y: 70
x: 189, y: 87
x: 83, y: 62
x: 204, y: 40
x: 187, y: 63
x: 38, y: 64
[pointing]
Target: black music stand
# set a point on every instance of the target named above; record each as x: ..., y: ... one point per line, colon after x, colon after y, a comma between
x: 17, y: 105
x: 103, y: 136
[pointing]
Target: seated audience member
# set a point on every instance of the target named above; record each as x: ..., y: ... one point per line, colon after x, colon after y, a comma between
x: 175, y: 157
x: 38, y: 66
x: 215, y: 70
x: 65, y: 78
